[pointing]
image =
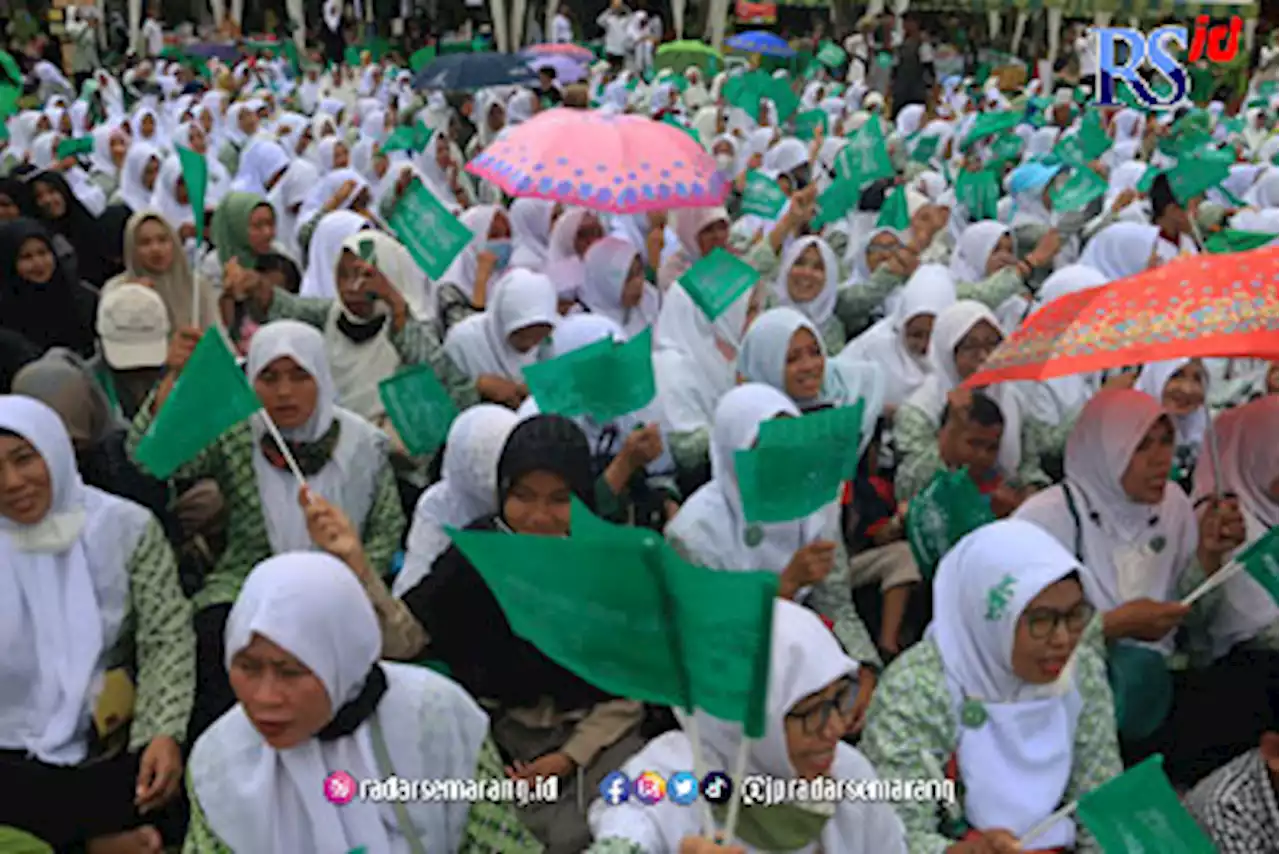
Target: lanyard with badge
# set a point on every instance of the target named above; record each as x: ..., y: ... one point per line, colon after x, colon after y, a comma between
x: 1129, y: 560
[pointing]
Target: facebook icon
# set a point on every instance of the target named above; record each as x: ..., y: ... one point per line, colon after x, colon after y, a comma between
x: 615, y: 788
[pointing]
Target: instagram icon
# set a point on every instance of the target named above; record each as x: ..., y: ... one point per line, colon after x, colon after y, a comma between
x: 339, y: 788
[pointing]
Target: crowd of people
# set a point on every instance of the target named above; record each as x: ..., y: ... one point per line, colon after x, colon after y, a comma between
x: 184, y: 660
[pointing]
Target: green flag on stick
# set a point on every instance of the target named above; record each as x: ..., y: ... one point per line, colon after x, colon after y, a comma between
x: 1080, y: 189
x: 210, y: 396
x: 74, y: 146
x: 894, y: 212
x: 1234, y: 240
x: 808, y: 122
x: 762, y: 196
x: 1139, y: 811
x: 652, y: 626
x: 866, y: 157
x: 925, y: 148
x: 433, y: 236
x: 836, y: 201
x: 941, y: 514
x: 195, y: 174
x: 1092, y: 137
x: 1260, y: 561
x: 419, y: 408
x: 990, y: 124
x: 979, y: 192
x: 604, y: 380
x: 716, y: 280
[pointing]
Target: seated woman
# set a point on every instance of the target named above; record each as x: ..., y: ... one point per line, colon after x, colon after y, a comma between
x: 343, y: 457
x: 546, y: 720
x: 243, y: 230
x: 809, y: 707
x: 963, y: 336
x: 154, y: 256
x: 1180, y: 385
x: 467, y: 286
x: 614, y: 286
x: 302, y: 648
x: 808, y: 279
x: 808, y: 554
x: 89, y: 608
x: 39, y: 299
x: 1136, y: 535
x: 82, y: 245
x: 1002, y: 696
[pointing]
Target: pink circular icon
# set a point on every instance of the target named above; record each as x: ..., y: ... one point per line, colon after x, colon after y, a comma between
x: 340, y: 788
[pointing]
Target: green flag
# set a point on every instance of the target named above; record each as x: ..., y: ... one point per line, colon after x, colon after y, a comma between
x: 195, y: 174
x: 865, y: 158
x: 419, y: 408
x: 1148, y: 178
x: 762, y: 196
x: 778, y: 90
x: 797, y: 464
x: 894, y: 213
x: 1233, y: 240
x: 989, y: 124
x: 14, y: 841
x: 925, y: 148
x: 1193, y: 176
x: 1080, y: 189
x: 1092, y: 137
x: 74, y: 146
x: 1260, y: 561
x: 830, y: 55
x: 808, y: 122
x: 651, y: 626
x: 433, y: 236
x: 210, y: 396
x: 836, y: 201
x: 947, y: 509
x: 422, y: 57
x: 979, y: 192
x: 605, y: 380
x: 716, y: 280
x: 1006, y: 148
x: 1139, y: 811
x: 406, y: 138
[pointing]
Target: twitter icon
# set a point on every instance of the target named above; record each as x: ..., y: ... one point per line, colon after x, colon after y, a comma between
x: 682, y: 788
x: 615, y: 788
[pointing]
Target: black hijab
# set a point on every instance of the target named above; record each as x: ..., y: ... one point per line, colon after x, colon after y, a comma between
x: 80, y: 228
x: 18, y: 191
x: 57, y: 313
x: 466, y: 625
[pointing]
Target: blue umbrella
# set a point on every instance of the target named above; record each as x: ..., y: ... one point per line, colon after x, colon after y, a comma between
x: 466, y: 71
x: 763, y: 42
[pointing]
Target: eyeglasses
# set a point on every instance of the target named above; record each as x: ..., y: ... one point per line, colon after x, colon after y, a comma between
x: 1042, y: 622
x: 814, y: 719
x: 983, y: 346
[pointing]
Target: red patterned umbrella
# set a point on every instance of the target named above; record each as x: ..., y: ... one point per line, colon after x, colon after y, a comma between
x: 1202, y: 305
x: 573, y: 51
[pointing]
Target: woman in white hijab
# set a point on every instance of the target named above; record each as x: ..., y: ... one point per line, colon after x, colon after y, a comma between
x: 1180, y: 385
x: 170, y: 198
x: 138, y: 176
x: 808, y: 708
x: 466, y: 287
x: 256, y: 782
x: 147, y: 127
x: 572, y: 235
x: 808, y: 555
x: 1248, y: 457
x: 963, y: 336
x: 261, y: 168
x: 342, y: 456
x: 614, y: 286
x: 467, y: 489
x: 504, y: 339
x: 531, y: 223
x: 110, y: 145
x: 287, y: 199
x: 1123, y: 249
x: 324, y: 251
x: 1003, y: 694
x: 88, y: 581
x: 899, y: 345
x: 808, y: 277
x: 194, y: 137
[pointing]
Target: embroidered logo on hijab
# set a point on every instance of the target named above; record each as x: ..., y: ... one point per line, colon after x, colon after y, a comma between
x: 754, y: 535
x: 368, y: 250
x: 998, y: 598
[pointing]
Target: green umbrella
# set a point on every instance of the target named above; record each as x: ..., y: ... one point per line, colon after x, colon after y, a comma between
x: 680, y: 55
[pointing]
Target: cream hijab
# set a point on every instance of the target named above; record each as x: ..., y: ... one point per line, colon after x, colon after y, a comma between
x: 1016, y: 767
x: 1152, y: 379
x: 176, y: 286
x: 258, y: 798
x: 64, y: 588
x: 977, y: 242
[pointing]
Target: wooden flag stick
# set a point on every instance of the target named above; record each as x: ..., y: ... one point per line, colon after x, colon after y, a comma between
x: 700, y: 771
x: 735, y: 797
x: 1049, y: 822
x: 1213, y: 582
x: 283, y: 446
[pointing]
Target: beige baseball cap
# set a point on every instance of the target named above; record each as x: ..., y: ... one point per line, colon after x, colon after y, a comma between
x: 133, y: 325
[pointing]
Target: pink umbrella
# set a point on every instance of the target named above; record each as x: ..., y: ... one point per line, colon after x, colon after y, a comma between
x: 567, y: 69
x: 573, y: 51
x: 611, y: 163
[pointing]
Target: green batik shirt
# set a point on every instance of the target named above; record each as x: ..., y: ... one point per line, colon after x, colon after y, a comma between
x: 491, y: 828
x: 913, y: 713
x: 229, y: 462
x: 416, y: 342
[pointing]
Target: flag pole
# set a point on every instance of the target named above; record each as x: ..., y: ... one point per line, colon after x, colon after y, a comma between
x: 735, y: 796
x: 1211, y: 436
x: 1213, y: 582
x: 700, y: 770
x: 1049, y: 822
x: 283, y: 446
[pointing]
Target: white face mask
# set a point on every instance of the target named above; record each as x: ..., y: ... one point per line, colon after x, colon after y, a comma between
x: 724, y: 162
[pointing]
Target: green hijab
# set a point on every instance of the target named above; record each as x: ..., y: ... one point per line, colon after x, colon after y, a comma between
x: 230, y: 231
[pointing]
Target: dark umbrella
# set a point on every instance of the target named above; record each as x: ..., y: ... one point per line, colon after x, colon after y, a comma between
x: 228, y: 53
x: 465, y: 71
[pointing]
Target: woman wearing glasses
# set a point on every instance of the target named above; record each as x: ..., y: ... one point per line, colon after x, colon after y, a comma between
x: 808, y: 709
x: 994, y: 698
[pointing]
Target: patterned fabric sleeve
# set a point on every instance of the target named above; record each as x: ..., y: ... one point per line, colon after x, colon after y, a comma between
x: 833, y: 598
x: 493, y: 828
x: 915, y: 439
x: 833, y: 336
x: 690, y: 450
x: 418, y: 344
x: 911, y: 715
x: 200, y: 837
x: 1033, y: 439
x: 1096, y: 757
x: 384, y: 525
x: 855, y: 303
x: 614, y: 845
x: 762, y: 257
x: 403, y: 637
x: 164, y: 642
x: 313, y: 311
x: 994, y: 289
x: 454, y: 306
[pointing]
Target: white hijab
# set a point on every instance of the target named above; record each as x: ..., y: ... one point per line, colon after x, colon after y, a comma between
x: 711, y: 523
x: 1129, y: 550
x: 258, y: 798
x: 466, y: 491
x: 165, y: 197
x: 931, y: 290
x: 133, y: 190
x: 64, y: 588
x: 1152, y: 379
x: 805, y: 658
x: 325, y: 250
x: 1121, y: 250
x: 605, y: 268
x: 531, y: 232
x: 563, y: 263
x: 821, y: 308
x: 763, y: 357
x: 287, y: 198
x: 1016, y: 766
x: 258, y: 165
x: 977, y: 242
x: 481, y: 344
x: 462, y: 272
